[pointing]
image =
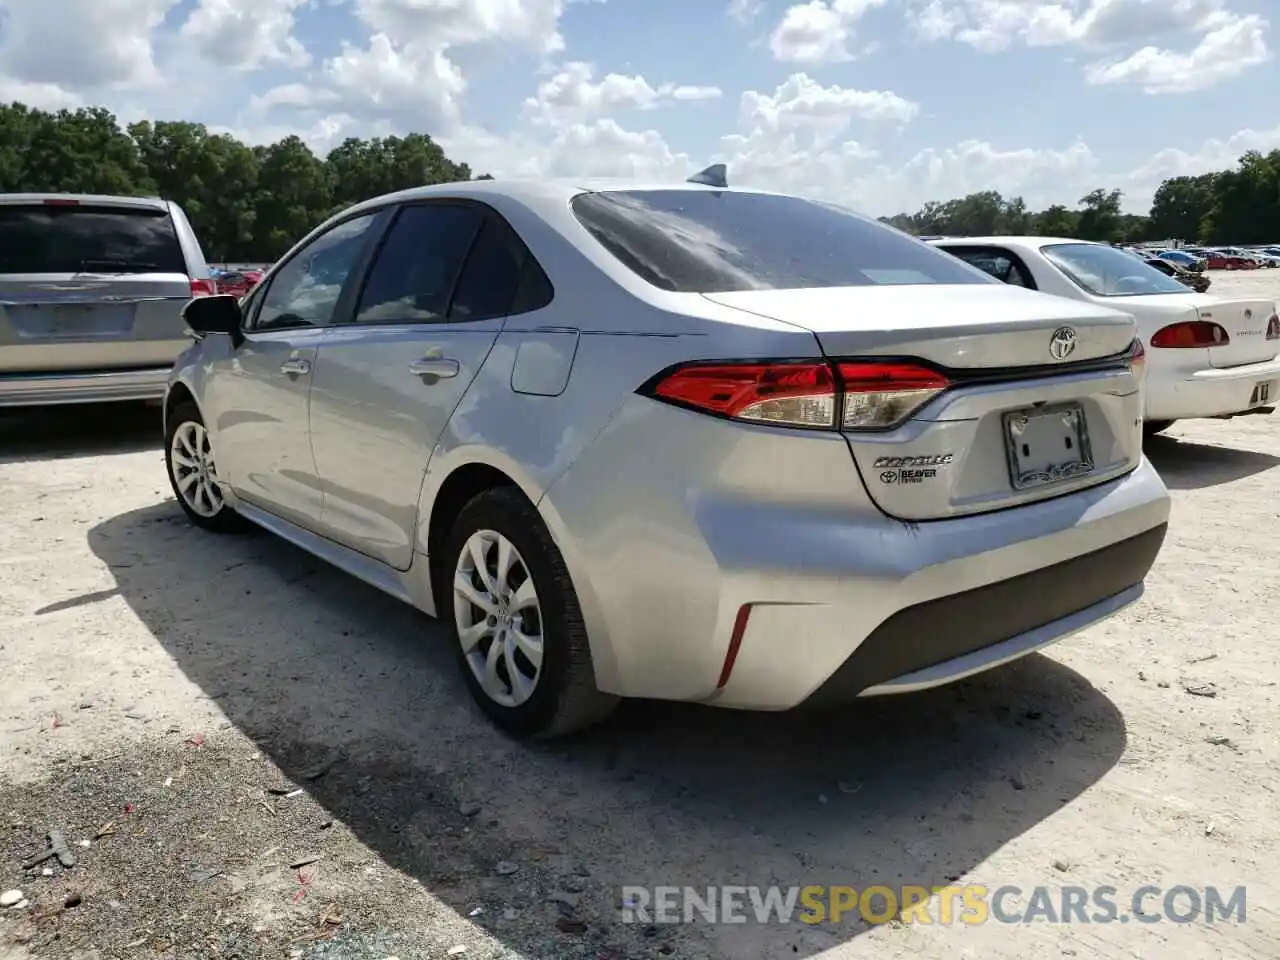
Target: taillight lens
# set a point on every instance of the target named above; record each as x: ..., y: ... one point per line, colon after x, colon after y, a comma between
x: 881, y: 395
x: 1137, y: 358
x: 1273, y: 328
x: 203, y: 288
x: 798, y: 394
x: 1191, y: 334
x: 854, y: 395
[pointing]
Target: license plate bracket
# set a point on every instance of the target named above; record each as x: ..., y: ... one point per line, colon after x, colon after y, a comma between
x: 1262, y: 392
x: 1046, y: 445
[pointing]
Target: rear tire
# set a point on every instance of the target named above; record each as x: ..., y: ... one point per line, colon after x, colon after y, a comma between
x: 1152, y: 427
x: 505, y: 590
x: 192, y: 469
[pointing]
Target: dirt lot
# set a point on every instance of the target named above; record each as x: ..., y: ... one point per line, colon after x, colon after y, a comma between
x: 202, y: 716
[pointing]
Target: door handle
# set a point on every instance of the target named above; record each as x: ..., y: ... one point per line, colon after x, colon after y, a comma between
x: 296, y: 367
x: 441, y: 368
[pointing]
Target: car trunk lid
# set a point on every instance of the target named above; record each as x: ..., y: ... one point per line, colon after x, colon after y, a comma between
x: 1021, y: 416
x: 961, y: 326
x: 1245, y: 321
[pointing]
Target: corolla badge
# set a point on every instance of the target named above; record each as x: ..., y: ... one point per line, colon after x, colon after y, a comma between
x: 1063, y: 343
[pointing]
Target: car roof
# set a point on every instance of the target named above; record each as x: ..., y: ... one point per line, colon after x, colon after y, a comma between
x: 534, y: 192
x: 89, y: 199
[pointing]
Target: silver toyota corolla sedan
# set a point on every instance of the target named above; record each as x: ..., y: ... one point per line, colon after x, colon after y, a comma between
x: 675, y: 441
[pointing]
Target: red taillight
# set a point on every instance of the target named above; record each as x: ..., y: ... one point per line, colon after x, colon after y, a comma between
x: 1273, y: 328
x: 865, y: 395
x: 880, y: 395
x: 61, y: 202
x: 203, y: 288
x: 1191, y: 334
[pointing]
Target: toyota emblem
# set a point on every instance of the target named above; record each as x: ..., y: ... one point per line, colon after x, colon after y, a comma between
x: 1063, y: 343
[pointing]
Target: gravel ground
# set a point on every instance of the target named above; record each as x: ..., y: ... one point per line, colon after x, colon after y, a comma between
x: 251, y: 755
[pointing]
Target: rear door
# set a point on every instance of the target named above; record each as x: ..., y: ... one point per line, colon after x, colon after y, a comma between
x: 89, y: 285
x: 387, y: 383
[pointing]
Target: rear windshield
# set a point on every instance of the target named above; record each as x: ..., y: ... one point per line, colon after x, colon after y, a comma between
x: 695, y: 241
x: 1107, y: 272
x: 76, y: 239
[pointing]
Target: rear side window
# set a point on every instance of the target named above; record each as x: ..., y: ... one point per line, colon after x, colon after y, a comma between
x: 705, y: 241
x: 43, y: 238
x: 489, y: 281
x: 998, y: 263
x: 413, y: 277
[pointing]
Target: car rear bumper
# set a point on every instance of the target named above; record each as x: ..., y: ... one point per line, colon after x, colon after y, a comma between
x: 38, y: 389
x: 1210, y: 392
x: 767, y: 603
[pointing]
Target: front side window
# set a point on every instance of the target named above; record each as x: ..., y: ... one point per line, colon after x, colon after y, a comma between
x: 304, y: 292
x: 1107, y: 272
x: 705, y: 241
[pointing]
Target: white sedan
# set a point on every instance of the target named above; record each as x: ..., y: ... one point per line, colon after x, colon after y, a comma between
x: 1208, y: 356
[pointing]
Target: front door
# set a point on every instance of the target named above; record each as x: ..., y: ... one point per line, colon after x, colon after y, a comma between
x: 388, y: 381
x: 261, y: 408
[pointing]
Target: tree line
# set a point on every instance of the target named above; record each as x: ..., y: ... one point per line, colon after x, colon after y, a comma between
x: 251, y: 203
x: 1241, y: 205
x: 247, y: 203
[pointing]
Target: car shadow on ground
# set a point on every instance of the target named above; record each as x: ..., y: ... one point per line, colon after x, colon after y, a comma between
x: 78, y: 430
x: 1187, y: 465
x: 312, y: 664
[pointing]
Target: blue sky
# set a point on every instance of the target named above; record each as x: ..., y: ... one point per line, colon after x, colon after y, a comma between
x: 881, y: 103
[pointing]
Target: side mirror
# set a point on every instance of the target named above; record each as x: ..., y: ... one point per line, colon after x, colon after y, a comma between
x: 217, y: 314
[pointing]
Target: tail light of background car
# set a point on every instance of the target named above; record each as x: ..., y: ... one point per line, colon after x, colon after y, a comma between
x: 864, y: 395
x: 1273, y: 328
x: 1189, y: 335
x: 203, y: 288
x: 1138, y: 359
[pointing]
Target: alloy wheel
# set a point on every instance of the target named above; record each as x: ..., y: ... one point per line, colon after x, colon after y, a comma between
x: 195, y: 471
x: 498, y: 617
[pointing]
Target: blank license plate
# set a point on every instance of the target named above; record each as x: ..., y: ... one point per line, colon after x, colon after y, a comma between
x: 1047, y: 445
x: 1262, y: 393
x: 71, y: 320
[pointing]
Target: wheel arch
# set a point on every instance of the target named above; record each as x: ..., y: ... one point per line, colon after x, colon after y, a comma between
x: 178, y: 393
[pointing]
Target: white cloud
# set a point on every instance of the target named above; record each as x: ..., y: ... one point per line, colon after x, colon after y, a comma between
x: 574, y: 93
x: 408, y: 68
x: 1224, y: 44
x: 1237, y: 44
x: 819, y: 31
x: 81, y: 45
x: 246, y: 34
x: 744, y: 11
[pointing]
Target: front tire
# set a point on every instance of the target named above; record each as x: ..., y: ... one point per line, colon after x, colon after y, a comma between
x: 1151, y: 427
x: 193, y: 472
x: 520, y: 638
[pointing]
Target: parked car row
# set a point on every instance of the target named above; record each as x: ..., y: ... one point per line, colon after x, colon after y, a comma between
x: 237, y: 283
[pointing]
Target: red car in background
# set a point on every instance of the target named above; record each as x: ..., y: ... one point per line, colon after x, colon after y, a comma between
x: 1227, y: 261
x: 238, y: 283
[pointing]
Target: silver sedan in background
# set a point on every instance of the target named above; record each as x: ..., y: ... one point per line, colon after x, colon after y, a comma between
x: 675, y: 441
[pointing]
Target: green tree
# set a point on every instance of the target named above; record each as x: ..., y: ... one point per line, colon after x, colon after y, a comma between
x: 1180, y: 205
x: 246, y: 203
